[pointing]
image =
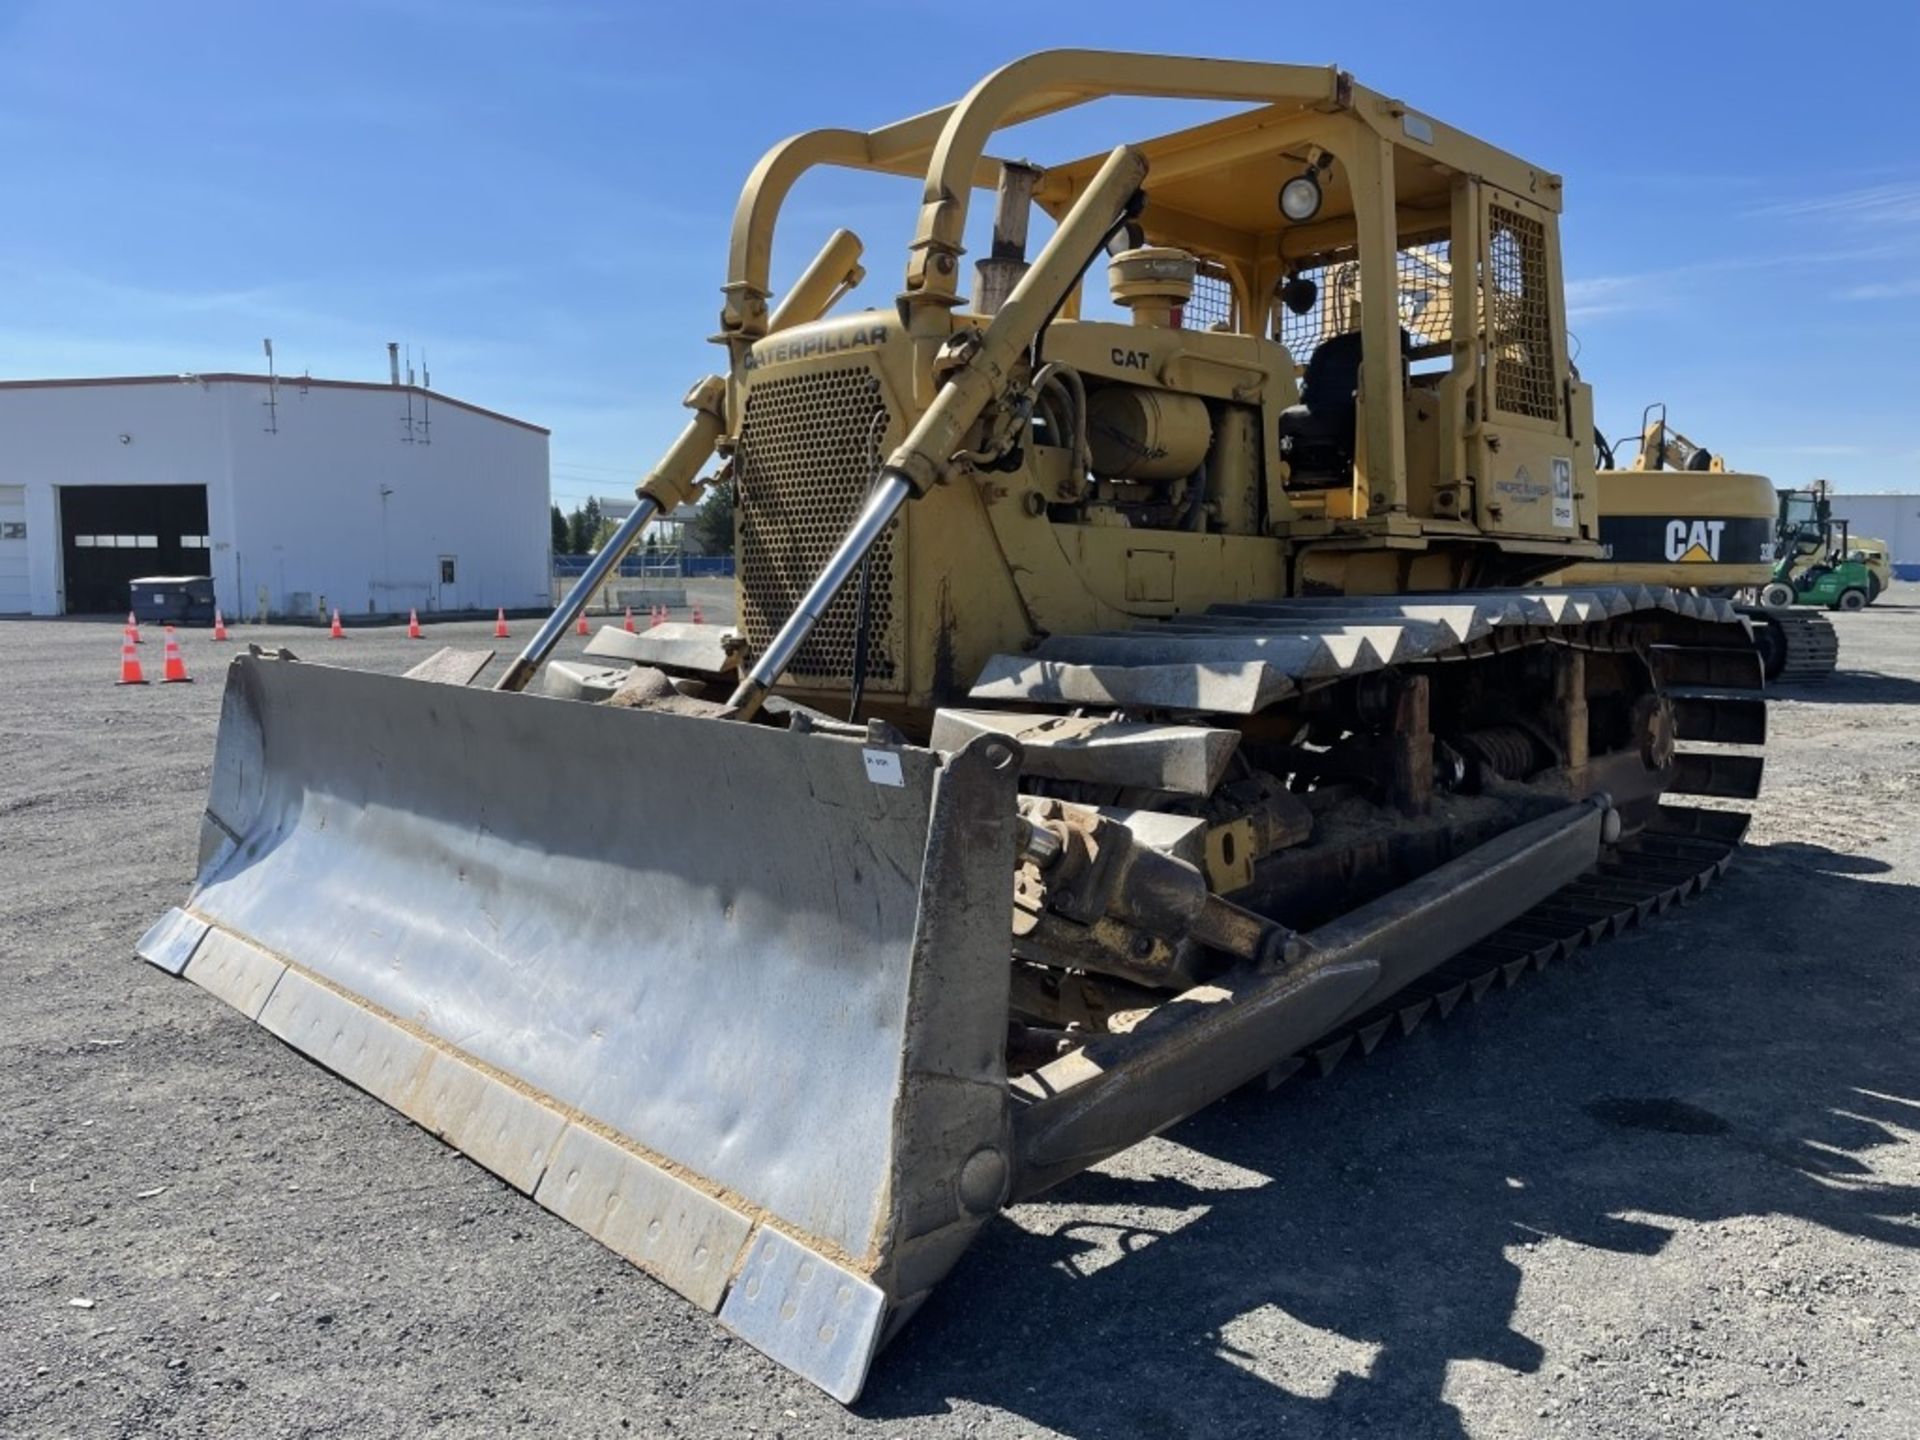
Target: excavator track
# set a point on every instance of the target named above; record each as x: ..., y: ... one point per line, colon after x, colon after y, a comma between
x: 1796, y: 645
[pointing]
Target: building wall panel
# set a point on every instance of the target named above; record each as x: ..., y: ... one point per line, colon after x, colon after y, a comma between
x: 331, y: 496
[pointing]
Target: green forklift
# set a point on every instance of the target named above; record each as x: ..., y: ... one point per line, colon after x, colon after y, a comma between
x: 1814, y: 561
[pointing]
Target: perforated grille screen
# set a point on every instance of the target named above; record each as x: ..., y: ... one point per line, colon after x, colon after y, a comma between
x: 1212, y: 302
x: 809, y: 450
x: 1522, y: 326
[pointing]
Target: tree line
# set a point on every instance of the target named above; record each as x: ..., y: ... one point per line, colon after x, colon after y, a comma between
x: 709, y: 529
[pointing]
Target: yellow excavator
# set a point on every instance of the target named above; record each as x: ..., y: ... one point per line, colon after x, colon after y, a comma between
x: 1133, y: 697
x: 1675, y: 515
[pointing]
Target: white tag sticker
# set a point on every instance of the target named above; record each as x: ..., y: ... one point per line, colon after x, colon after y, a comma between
x: 883, y: 768
x: 1562, y: 492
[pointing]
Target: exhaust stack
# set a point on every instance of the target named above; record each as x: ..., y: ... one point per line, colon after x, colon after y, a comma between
x: 995, y: 277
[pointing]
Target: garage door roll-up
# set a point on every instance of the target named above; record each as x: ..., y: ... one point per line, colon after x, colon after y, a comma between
x: 114, y: 534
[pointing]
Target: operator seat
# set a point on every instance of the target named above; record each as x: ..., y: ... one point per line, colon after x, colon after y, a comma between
x: 1317, y: 435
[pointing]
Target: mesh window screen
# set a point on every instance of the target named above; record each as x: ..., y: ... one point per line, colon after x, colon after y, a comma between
x: 1336, y: 304
x: 1425, y: 268
x: 1212, y: 302
x: 1424, y: 274
x: 1520, y: 324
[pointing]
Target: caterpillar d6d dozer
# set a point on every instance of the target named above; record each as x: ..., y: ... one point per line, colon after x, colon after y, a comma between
x: 1122, y: 710
x: 1675, y: 515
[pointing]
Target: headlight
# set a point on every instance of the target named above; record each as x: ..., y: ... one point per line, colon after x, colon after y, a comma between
x: 1300, y: 198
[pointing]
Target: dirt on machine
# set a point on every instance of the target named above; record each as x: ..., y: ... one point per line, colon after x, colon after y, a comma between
x: 1674, y: 514
x: 1145, y: 684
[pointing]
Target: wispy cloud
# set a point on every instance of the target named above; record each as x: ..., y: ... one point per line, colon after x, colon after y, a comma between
x: 1881, y: 207
x: 1608, y: 294
x: 101, y: 295
x: 1895, y: 203
x: 1593, y: 295
x: 1888, y: 290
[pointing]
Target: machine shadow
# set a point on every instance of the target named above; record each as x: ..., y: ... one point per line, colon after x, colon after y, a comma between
x: 1852, y: 687
x: 1347, y: 1240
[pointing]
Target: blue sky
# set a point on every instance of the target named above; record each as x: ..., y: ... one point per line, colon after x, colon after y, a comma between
x: 537, y: 195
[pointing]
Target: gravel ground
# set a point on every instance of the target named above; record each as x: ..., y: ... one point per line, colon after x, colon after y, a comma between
x: 1668, y: 1189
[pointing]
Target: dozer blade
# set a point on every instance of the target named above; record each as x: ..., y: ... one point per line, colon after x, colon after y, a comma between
x: 731, y: 999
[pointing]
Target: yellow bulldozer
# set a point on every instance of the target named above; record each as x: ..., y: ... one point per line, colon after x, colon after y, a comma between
x: 1134, y: 696
x: 1674, y: 514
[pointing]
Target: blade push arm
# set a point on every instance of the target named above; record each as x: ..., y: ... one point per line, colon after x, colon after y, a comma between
x: 675, y: 481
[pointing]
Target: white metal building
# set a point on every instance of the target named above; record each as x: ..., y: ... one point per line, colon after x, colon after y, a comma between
x: 1892, y: 518
x: 296, y: 496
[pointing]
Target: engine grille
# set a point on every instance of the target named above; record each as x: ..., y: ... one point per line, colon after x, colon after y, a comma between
x: 810, y: 446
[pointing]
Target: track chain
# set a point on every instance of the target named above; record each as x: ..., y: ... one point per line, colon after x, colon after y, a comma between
x: 1669, y: 862
x: 1642, y: 878
x: 1807, y: 645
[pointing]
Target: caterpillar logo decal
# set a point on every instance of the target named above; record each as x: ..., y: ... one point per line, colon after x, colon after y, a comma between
x: 1686, y: 540
x: 817, y: 344
x: 1694, y: 541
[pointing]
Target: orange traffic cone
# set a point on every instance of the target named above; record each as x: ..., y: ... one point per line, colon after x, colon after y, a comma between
x: 696, y: 614
x: 630, y: 629
x: 413, y: 624
x: 655, y: 617
x: 133, y: 628
x: 130, y: 661
x: 176, y: 663
x: 219, y: 624
x: 336, y: 631
x: 500, y: 631
x: 581, y: 628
